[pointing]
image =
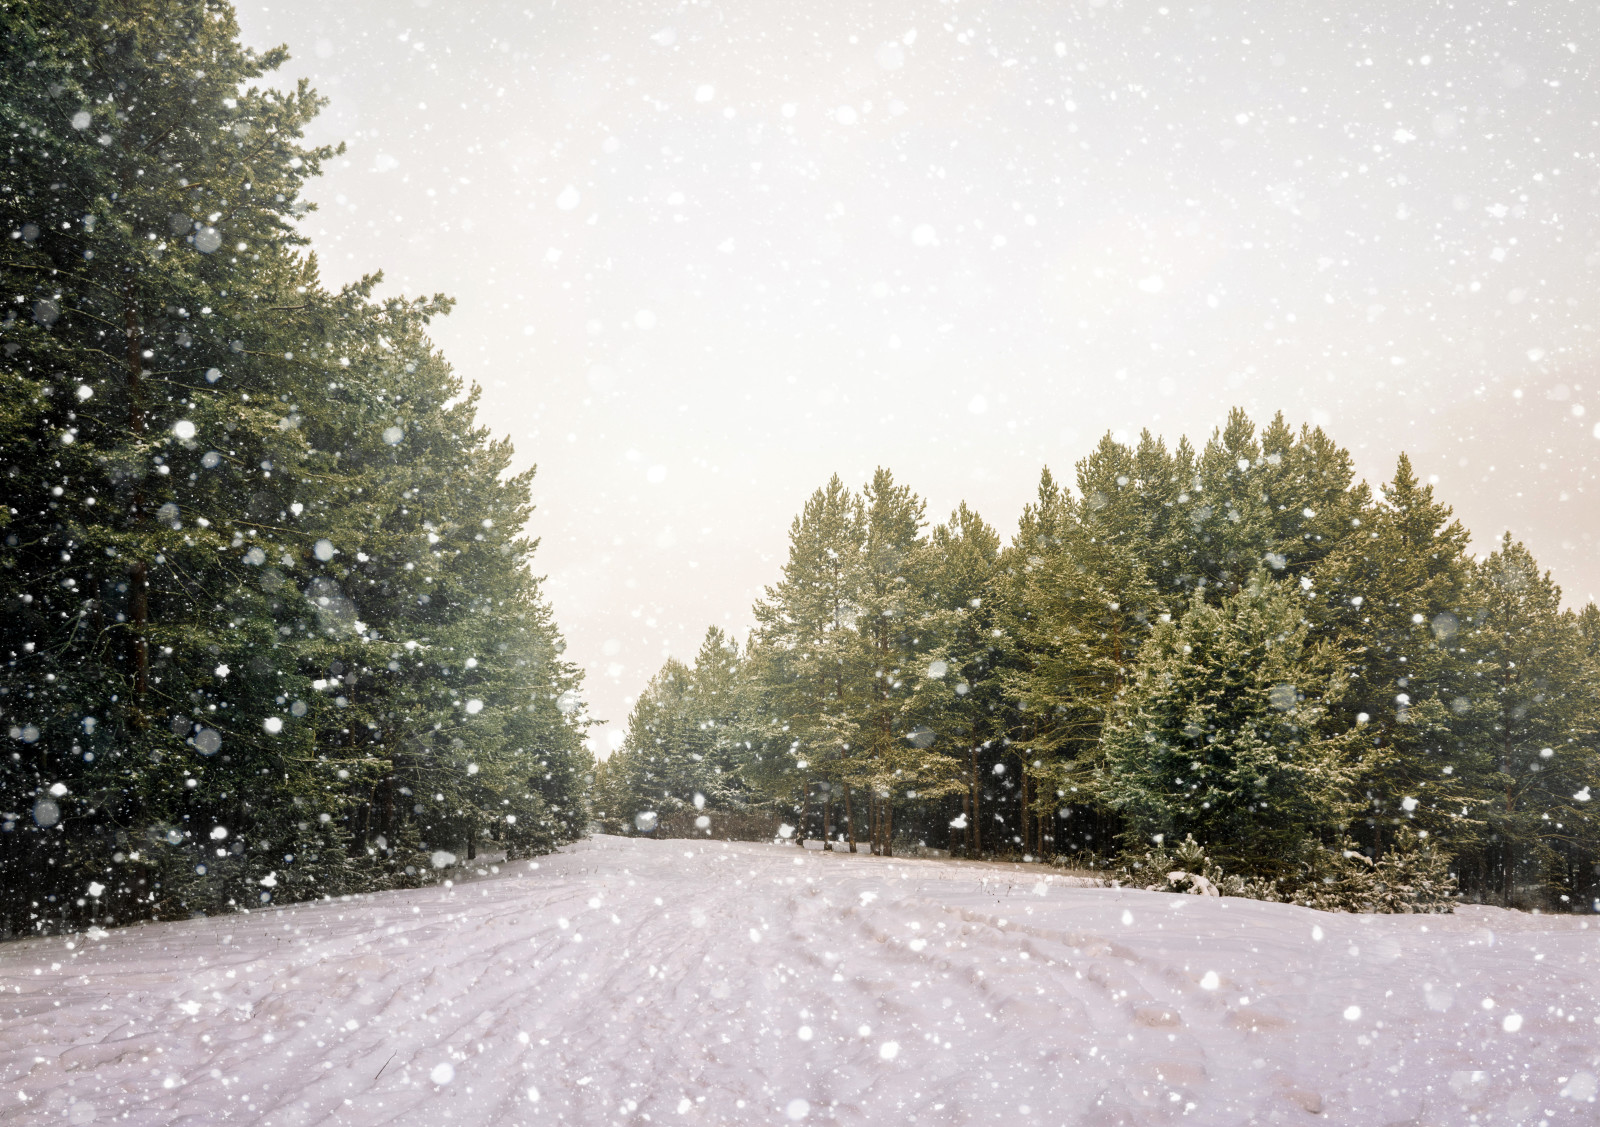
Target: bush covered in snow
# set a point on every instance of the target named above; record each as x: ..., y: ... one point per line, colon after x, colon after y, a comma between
x: 1412, y: 876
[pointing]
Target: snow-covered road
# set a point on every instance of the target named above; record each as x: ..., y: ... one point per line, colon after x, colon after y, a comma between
x: 629, y: 981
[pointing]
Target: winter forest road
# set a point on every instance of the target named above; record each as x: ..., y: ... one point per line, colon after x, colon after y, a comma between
x: 628, y: 981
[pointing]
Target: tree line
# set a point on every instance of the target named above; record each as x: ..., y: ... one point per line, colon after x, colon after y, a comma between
x: 1240, y: 644
x: 269, y: 629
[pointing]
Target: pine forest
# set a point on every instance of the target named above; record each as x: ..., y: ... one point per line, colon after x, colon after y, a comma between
x: 270, y: 627
x: 1236, y: 659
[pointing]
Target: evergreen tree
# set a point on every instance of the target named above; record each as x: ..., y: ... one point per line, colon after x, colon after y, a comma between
x: 684, y: 748
x: 1531, y: 737
x: 1240, y: 644
x: 895, y: 643
x: 1390, y: 596
x: 1224, y: 735
x: 1589, y: 631
x: 1092, y: 601
x: 959, y: 696
x: 805, y: 660
x: 269, y: 577
x: 1091, y: 595
x: 1282, y: 501
x: 158, y: 189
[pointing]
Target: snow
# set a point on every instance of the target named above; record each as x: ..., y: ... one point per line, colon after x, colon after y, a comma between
x: 733, y: 983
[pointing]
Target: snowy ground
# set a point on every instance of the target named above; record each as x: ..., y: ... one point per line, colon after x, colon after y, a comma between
x: 628, y: 981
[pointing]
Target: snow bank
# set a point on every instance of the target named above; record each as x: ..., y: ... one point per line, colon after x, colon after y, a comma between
x: 630, y: 981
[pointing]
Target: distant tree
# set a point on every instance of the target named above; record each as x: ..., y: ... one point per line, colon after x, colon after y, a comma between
x: 684, y: 748
x: 1531, y: 739
x: 805, y: 663
x: 959, y: 696
x: 892, y: 753
x: 1240, y: 643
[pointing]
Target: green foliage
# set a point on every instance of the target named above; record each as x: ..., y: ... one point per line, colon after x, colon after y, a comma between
x: 864, y: 657
x: 684, y: 746
x: 1239, y: 645
x: 1392, y: 596
x: 1412, y: 877
x: 1528, y: 737
x: 269, y: 628
x: 1224, y: 732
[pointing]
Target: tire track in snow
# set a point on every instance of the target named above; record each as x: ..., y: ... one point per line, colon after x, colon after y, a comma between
x: 1082, y: 1005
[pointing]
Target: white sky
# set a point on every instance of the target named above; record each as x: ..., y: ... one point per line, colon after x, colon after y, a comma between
x: 707, y: 255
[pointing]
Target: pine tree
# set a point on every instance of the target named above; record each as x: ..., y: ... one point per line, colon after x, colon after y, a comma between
x: 683, y: 748
x: 1280, y: 500
x: 237, y: 620
x: 152, y: 183
x: 805, y: 661
x: 1091, y: 591
x: 959, y: 694
x: 1390, y: 596
x: 1531, y: 736
x: 1224, y: 733
x: 1242, y: 644
x: 1312, y: 499
x: 1092, y: 603
x: 720, y: 700
x: 1589, y: 631
x: 1231, y: 521
x: 892, y: 753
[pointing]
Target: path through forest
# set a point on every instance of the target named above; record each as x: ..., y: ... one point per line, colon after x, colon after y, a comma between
x: 630, y: 981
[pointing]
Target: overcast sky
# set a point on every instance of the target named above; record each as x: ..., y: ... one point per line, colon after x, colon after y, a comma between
x: 709, y: 254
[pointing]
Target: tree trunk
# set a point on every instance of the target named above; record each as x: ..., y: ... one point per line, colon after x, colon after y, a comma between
x: 849, y: 817
x: 888, y: 826
x: 1037, y: 846
x: 827, y: 820
x: 388, y: 810
x: 966, y: 826
x: 977, y: 832
x: 1508, y: 877
x: 805, y: 813
x: 1508, y: 871
x: 139, y: 618
x: 138, y: 570
x: 1022, y: 807
x: 366, y: 816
